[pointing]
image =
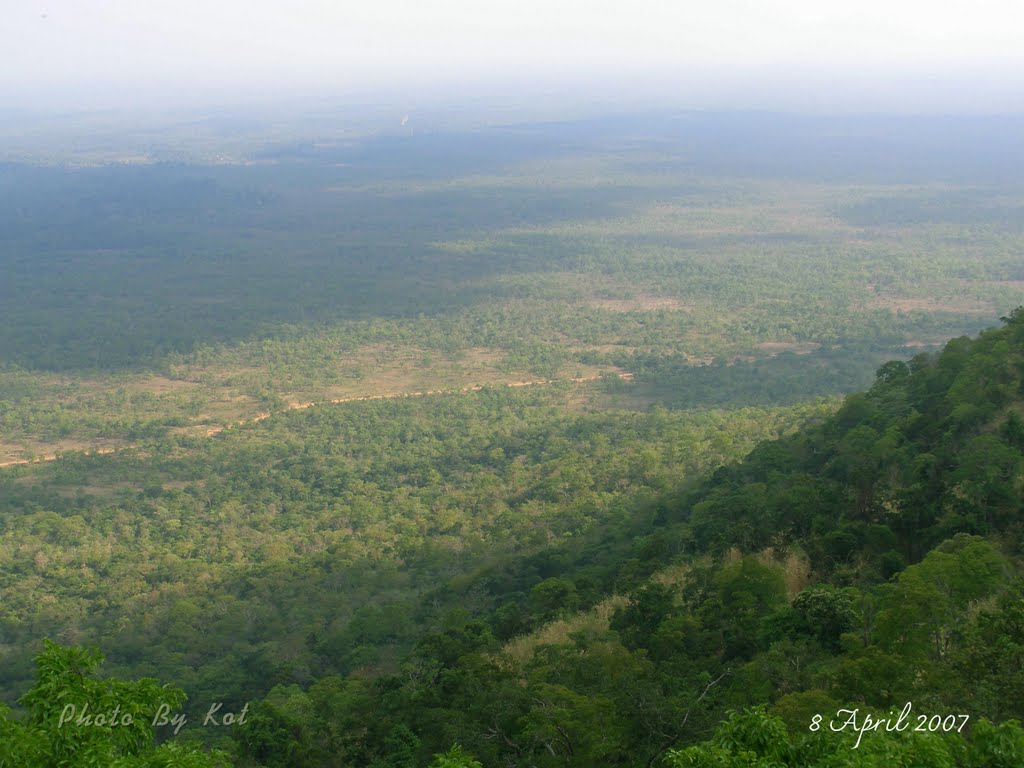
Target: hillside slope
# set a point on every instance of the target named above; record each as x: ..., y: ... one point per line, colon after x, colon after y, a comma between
x: 865, y: 566
x: 866, y: 562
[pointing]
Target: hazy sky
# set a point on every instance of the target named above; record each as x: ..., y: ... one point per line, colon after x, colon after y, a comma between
x: 965, y: 49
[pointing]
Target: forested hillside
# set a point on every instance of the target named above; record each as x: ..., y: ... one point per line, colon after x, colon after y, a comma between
x: 862, y: 563
x: 526, y: 446
x: 303, y: 544
x: 847, y: 595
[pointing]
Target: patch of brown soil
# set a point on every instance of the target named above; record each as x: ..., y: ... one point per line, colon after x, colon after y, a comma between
x: 640, y: 303
x: 53, y: 456
x: 799, y: 347
x: 211, y: 431
x: 907, y: 304
x: 160, y: 385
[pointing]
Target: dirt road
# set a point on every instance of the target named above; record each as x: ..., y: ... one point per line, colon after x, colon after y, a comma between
x: 302, y: 406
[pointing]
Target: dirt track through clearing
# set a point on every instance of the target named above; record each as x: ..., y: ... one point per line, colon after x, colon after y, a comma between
x: 302, y: 406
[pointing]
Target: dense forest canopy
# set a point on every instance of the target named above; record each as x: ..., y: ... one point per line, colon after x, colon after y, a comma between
x: 624, y: 442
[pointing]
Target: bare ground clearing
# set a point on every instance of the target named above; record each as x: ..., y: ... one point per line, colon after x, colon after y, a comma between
x: 211, y: 431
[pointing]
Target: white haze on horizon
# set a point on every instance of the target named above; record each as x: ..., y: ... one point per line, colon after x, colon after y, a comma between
x: 809, y: 55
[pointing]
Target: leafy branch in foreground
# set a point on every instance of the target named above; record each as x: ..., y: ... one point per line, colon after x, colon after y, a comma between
x: 74, y: 720
x: 755, y: 739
